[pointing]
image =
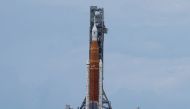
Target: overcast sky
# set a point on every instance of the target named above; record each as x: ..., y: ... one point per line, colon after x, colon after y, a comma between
x: 44, y: 48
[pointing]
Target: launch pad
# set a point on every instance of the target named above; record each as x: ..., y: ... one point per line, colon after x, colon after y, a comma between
x: 96, y: 97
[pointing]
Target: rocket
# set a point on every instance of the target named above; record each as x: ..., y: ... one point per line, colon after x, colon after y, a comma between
x: 94, y: 72
x: 95, y: 95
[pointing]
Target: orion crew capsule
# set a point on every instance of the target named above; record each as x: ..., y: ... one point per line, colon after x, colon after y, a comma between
x: 94, y: 31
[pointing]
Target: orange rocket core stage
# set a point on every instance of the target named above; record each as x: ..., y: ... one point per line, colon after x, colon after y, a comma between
x: 94, y: 72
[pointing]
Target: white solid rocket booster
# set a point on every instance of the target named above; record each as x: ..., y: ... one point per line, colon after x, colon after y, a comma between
x: 100, y: 83
x: 87, y: 86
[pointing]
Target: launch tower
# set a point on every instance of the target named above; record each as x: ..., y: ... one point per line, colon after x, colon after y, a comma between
x: 96, y: 97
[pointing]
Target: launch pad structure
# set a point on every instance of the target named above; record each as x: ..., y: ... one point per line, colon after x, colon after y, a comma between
x: 97, y: 29
x: 95, y: 95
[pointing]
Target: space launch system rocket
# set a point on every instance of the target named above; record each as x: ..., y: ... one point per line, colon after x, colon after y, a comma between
x: 94, y: 86
x: 95, y: 96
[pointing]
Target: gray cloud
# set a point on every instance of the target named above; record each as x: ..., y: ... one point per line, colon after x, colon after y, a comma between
x: 139, y: 74
x: 44, y: 47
